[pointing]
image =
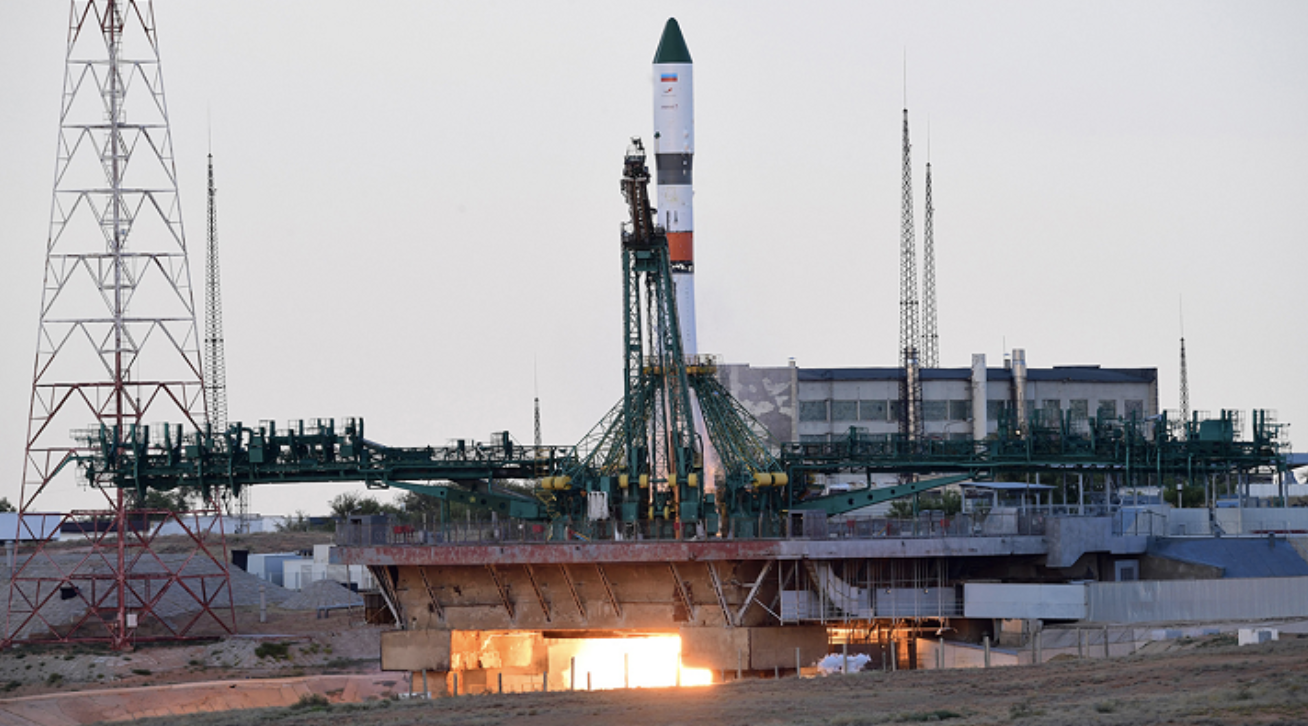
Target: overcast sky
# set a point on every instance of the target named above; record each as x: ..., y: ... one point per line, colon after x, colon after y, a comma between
x: 419, y: 205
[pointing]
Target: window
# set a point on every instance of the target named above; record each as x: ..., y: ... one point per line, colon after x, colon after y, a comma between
x: 844, y: 410
x: 895, y: 407
x: 812, y: 410
x: 812, y: 438
x: 960, y: 410
x: 1051, y: 404
x: 935, y: 410
x: 996, y: 409
x: 1080, y: 408
x: 1134, y: 408
x: 873, y: 411
x: 1107, y: 410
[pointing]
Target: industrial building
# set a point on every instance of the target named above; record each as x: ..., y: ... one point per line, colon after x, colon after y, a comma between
x: 813, y: 405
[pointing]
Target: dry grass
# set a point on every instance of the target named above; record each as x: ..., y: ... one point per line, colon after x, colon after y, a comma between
x: 1266, y: 684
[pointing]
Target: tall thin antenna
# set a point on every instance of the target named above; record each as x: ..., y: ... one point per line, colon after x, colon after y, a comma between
x: 910, y: 388
x: 1185, y: 384
x: 215, y: 359
x: 535, y: 385
x: 930, y: 338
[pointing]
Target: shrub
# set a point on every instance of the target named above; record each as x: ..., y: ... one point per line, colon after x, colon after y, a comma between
x: 312, y: 702
x: 142, y: 671
x: 924, y: 716
x: 276, y: 651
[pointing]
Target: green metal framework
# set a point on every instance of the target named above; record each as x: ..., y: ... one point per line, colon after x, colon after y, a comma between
x: 319, y: 452
x: 643, y: 463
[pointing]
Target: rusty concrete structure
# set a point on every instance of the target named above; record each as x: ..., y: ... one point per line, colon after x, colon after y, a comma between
x: 489, y: 612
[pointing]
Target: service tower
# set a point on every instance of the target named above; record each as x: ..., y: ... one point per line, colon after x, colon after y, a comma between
x: 674, y: 156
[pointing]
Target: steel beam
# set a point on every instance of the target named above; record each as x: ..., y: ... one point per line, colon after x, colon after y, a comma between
x: 502, y: 589
x: 682, y: 591
x: 722, y: 597
x: 572, y: 589
x: 753, y: 592
x: 431, y: 594
x: 608, y: 590
x: 540, y: 596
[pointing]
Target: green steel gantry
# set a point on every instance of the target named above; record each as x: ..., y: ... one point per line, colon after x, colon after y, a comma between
x: 644, y: 462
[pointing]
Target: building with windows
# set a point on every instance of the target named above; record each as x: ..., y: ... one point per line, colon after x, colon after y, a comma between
x: 815, y: 404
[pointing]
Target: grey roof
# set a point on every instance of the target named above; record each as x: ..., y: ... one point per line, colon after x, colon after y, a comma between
x: 1082, y: 374
x: 1236, y: 557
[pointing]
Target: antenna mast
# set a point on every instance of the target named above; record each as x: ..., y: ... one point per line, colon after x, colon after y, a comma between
x: 215, y: 363
x: 1185, y: 387
x: 910, y: 384
x: 930, y: 339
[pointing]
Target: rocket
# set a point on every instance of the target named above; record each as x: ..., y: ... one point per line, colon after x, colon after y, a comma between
x: 674, y: 156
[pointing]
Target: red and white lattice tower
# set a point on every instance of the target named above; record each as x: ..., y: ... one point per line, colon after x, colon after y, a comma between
x: 117, y: 347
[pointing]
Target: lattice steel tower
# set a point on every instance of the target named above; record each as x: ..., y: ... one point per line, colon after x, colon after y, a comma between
x: 1185, y: 394
x: 930, y: 339
x: 117, y: 344
x: 910, y: 384
x: 215, y: 361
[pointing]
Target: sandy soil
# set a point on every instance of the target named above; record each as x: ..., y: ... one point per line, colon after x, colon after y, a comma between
x: 338, y: 644
x: 1202, y: 681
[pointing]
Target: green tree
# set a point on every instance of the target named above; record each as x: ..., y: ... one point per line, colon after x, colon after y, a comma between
x: 5, y: 506
x: 949, y: 502
x: 298, y: 522
x: 175, y: 500
x: 349, y: 503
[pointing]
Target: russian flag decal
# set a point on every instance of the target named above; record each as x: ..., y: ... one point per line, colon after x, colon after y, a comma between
x: 668, y: 78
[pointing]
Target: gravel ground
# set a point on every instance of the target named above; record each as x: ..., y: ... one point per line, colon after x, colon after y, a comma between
x: 1204, y: 681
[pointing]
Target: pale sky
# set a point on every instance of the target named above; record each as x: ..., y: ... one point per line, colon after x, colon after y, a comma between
x: 419, y: 205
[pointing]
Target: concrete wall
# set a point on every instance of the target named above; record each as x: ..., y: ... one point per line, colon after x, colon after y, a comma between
x: 1071, y: 537
x: 1233, y: 521
x: 468, y: 598
x: 1020, y: 601
x: 300, y: 572
x: 415, y: 650
x: 1177, y: 600
x: 752, y: 648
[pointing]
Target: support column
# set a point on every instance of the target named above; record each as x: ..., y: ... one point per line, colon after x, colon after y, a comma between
x: 979, y: 394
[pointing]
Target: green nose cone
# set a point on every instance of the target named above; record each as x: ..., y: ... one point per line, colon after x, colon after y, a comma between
x: 672, y: 46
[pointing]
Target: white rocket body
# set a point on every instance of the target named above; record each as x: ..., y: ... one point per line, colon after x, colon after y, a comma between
x: 674, y: 154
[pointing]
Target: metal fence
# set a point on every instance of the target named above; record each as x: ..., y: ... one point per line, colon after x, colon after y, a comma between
x: 987, y: 524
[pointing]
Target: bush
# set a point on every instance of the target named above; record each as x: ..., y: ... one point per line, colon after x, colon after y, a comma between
x: 276, y: 651
x: 142, y: 671
x: 924, y: 716
x: 54, y: 680
x: 312, y: 702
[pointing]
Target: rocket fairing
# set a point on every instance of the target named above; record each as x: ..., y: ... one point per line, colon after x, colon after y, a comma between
x: 674, y: 156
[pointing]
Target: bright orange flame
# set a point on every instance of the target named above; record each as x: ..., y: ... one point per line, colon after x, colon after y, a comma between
x: 650, y: 662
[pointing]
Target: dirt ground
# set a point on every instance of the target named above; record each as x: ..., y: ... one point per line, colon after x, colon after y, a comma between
x: 340, y: 643
x: 1197, y: 681
x: 293, y: 643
